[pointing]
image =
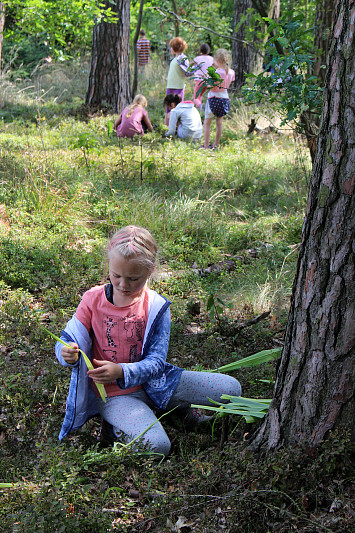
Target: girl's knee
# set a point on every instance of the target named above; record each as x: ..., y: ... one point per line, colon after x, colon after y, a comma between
x: 161, y: 446
x: 231, y: 386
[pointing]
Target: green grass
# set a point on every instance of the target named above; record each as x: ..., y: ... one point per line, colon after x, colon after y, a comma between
x: 57, y: 208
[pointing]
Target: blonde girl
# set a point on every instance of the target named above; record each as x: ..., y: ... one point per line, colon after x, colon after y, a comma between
x: 134, y: 119
x: 124, y: 328
x: 218, y: 105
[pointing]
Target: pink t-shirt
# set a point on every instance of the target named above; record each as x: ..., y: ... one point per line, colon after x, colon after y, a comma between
x: 227, y: 79
x: 132, y: 125
x: 204, y: 62
x: 117, y: 332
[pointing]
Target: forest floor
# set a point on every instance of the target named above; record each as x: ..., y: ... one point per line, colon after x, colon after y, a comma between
x: 228, y: 224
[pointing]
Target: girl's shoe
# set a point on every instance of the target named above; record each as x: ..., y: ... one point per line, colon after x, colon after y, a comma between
x: 194, y: 419
x: 106, y: 434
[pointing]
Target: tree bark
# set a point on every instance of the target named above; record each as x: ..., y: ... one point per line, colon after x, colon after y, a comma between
x: 109, y: 80
x: 240, y: 52
x: 2, y: 24
x: 135, y: 40
x: 176, y: 22
x: 270, y: 9
x: 314, y: 390
x: 323, y: 25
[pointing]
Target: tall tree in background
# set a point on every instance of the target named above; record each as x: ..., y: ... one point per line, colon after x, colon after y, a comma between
x: 2, y: 24
x: 176, y: 22
x: 249, y: 59
x: 265, y: 8
x: 109, y: 80
x: 322, y: 27
x: 314, y: 390
x: 135, y: 51
x: 240, y: 52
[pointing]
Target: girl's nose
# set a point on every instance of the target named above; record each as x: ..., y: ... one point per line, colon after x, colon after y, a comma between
x: 123, y: 284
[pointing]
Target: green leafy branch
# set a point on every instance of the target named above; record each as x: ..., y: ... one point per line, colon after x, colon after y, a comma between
x: 287, y: 81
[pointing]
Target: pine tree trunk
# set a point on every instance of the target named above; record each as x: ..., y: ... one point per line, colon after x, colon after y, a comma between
x: 240, y: 52
x: 135, y: 40
x: 2, y: 24
x: 323, y: 24
x: 265, y: 8
x: 109, y: 80
x: 314, y: 390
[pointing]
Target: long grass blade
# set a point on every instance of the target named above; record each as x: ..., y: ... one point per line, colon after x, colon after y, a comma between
x: 249, y: 408
x: 252, y: 360
x: 88, y: 363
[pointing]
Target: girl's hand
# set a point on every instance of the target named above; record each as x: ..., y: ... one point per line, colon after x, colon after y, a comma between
x: 106, y: 372
x: 70, y: 355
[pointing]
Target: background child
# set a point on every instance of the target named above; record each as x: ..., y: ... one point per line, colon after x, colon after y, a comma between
x: 124, y: 327
x: 185, y: 120
x: 203, y: 60
x: 177, y: 70
x: 133, y: 119
x: 218, y: 105
x: 143, y: 49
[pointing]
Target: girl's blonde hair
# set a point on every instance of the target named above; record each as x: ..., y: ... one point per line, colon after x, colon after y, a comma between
x: 222, y: 57
x: 133, y: 242
x: 139, y: 100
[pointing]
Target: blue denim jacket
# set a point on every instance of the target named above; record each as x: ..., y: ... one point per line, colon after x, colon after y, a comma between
x: 159, y: 378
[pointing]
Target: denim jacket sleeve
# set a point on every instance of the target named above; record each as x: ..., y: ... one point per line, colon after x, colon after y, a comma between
x: 155, y: 349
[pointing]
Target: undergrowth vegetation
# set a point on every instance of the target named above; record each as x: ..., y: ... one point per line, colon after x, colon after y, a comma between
x: 66, y: 183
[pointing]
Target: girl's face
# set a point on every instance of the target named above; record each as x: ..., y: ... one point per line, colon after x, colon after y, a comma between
x: 128, y: 279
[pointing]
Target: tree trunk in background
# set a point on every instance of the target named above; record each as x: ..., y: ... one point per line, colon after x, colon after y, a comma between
x: 322, y: 34
x: 176, y: 21
x: 323, y: 24
x: 135, y: 39
x: 314, y: 390
x: 265, y: 8
x: 109, y: 80
x: 2, y: 24
x: 240, y: 52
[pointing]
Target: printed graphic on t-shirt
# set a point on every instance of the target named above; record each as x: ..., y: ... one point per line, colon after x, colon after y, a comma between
x: 110, y: 323
x: 122, y: 337
x: 111, y: 355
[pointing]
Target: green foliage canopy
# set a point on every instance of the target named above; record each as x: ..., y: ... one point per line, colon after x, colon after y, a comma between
x: 63, y: 26
x: 287, y: 80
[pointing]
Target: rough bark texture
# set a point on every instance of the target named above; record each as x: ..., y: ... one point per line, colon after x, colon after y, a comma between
x: 2, y: 24
x: 265, y: 8
x: 323, y: 25
x: 240, y: 52
x: 109, y: 80
x: 314, y: 390
x: 135, y: 40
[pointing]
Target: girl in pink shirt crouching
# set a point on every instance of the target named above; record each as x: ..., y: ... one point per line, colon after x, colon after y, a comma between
x: 134, y: 119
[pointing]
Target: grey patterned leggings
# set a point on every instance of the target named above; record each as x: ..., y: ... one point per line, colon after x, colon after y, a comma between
x: 133, y: 413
